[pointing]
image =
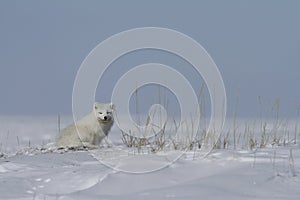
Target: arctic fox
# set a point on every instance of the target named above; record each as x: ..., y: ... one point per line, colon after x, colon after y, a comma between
x: 90, y: 130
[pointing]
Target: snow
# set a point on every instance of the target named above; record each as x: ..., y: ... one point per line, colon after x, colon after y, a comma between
x: 114, y: 172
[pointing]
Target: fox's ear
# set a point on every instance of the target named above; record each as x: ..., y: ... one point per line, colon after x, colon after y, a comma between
x: 95, y: 106
x: 112, y: 106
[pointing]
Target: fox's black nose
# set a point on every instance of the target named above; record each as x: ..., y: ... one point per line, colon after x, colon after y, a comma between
x: 105, y: 118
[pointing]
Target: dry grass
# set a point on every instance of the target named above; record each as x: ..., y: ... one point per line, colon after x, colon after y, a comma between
x: 249, y: 134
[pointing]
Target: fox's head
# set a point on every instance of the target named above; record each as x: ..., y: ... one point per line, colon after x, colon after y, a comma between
x: 103, y: 111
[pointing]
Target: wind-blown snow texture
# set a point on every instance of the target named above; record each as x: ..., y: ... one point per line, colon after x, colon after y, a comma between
x: 49, y: 173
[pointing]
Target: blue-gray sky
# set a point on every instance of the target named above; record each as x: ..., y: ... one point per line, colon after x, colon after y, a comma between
x: 255, y: 44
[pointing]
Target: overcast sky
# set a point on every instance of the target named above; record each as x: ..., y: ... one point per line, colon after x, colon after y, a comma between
x: 255, y: 44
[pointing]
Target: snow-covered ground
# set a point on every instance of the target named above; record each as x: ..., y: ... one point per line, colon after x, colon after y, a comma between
x: 272, y: 172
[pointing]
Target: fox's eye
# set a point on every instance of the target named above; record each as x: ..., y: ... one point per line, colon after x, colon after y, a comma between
x: 100, y: 113
x: 108, y: 113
